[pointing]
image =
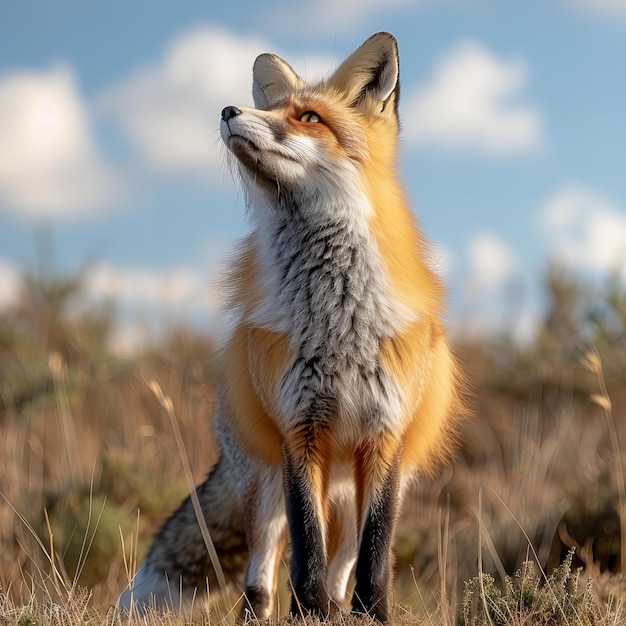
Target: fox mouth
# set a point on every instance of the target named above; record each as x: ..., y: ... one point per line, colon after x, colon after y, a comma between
x: 237, y: 143
x: 250, y: 154
x: 246, y: 151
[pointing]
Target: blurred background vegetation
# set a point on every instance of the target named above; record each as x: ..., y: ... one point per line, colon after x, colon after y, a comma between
x: 89, y: 467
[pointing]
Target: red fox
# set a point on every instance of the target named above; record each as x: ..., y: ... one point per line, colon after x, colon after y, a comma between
x: 338, y: 386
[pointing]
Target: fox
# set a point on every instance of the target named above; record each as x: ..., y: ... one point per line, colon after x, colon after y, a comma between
x: 339, y: 386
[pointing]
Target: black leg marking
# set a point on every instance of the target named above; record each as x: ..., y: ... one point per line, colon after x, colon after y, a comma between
x: 308, y: 560
x: 374, y: 564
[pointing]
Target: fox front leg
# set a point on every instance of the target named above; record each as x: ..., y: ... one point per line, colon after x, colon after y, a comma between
x: 305, y: 476
x: 378, y: 493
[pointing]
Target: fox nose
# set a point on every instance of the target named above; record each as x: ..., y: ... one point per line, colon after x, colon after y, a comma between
x: 230, y: 112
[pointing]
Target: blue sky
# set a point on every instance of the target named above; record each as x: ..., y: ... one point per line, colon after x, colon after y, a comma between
x: 513, y: 147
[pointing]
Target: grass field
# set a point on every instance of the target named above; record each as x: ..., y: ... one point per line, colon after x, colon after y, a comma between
x: 90, y: 467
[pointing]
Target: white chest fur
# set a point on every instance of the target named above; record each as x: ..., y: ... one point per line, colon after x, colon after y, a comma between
x: 326, y: 287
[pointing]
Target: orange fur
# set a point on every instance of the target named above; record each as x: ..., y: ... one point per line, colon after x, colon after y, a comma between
x: 257, y: 432
x: 373, y: 459
x: 431, y: 435
x: 311, y: 446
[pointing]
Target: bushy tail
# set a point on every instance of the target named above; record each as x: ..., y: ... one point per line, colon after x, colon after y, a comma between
x: 178, y: 565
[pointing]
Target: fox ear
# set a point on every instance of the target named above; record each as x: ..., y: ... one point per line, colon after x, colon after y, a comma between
x: 272, y: 79
x: 370, y: 75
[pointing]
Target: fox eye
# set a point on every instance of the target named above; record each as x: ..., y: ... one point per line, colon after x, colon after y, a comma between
x: 311, y: 117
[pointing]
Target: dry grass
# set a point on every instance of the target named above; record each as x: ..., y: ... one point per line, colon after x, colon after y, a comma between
x: 91, y: 463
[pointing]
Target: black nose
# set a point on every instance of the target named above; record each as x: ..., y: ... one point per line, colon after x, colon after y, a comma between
x: 230, y: 112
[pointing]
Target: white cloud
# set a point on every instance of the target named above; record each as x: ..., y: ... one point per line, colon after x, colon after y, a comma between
x: 175, y: 289
x: 49, y: 162
x: 491, y: 261
x: 608, y: 8
x: 492, y: 286
x: 171, y: 110
x: 149, y: 302
x: 11, y: 285
x: 474, y: 103
x: 585, y: 230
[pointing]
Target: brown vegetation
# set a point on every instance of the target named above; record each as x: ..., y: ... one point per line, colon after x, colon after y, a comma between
x: 89, y: 466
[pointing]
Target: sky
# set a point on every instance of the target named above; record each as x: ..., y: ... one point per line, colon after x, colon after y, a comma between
x: 513, y: 145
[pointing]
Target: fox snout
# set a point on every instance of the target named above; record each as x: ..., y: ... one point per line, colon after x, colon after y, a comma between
x: 239, y: 138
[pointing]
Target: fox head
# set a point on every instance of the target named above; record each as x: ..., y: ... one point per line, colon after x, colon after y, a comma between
x: 312, y: 140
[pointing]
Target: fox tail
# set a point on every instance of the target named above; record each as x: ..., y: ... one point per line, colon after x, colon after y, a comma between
x: 178, y: 566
